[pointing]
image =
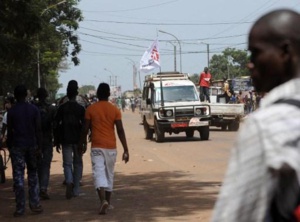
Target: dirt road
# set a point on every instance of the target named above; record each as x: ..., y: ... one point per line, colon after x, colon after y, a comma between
x: 177, y: 180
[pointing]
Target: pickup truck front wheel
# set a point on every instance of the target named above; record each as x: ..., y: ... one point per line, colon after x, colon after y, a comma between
x: 147, y: 130
x: 159, y: 133
x: 204, y: 133
x: 189, y: 133
x: 234, y: 126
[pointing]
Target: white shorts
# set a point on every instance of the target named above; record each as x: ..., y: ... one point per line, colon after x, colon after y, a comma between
x: 103, y: 166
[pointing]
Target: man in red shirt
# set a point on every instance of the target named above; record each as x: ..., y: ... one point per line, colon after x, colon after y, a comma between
x: 204, y: 83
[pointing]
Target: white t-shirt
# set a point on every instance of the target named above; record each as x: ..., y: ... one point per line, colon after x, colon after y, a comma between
x: 4, y: 118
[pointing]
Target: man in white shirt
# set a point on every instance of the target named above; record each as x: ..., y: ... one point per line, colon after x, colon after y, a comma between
x: 267, y: 147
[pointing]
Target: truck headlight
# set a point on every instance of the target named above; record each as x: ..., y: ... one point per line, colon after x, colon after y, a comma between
x: 166, y: 112
x: 169, y: 113
x: 198, y: 111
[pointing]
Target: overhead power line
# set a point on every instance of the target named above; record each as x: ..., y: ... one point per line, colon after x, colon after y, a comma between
x: 170, y: 24
x: 135, y: 38
x: 135, y: 9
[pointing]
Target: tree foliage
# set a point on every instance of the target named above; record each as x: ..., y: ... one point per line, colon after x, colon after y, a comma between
x: 84, y: 90
x: 195, y: 78
x: 32, y: 32
x: 231, y: 63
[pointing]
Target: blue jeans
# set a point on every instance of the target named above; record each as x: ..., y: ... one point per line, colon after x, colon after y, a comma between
x: 21, y: 157
x: 73, y: 167
x: 44, y: 166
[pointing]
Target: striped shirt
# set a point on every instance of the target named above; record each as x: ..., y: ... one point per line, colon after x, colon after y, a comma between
x: 267, y: 139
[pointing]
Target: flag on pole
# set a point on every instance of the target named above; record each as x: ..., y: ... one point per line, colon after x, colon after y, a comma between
x: 150, y: 59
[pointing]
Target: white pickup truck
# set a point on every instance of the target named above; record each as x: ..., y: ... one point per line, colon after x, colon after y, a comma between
x: 170, y: 104
x: 224, y: 115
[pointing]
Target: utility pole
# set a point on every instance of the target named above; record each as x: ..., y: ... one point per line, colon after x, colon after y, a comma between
x: 179, y: 46
x: 207, y: 52
x: 174, y: 46
x: 134, y: 73
x: 112, y: 82
x: 207, y: 45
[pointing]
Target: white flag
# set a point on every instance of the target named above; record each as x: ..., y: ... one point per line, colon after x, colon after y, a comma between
x: 150, y: 59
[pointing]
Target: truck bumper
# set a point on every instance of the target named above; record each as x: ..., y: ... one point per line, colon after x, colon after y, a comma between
x: 182, y: 126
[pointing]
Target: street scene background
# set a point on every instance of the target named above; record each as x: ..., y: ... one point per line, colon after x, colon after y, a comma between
x: 177, y: 180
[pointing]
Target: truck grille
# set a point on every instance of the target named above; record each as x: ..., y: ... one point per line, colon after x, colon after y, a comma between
x: 183, y: 112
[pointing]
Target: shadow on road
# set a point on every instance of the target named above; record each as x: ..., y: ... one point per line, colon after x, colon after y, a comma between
x: 155, y: 196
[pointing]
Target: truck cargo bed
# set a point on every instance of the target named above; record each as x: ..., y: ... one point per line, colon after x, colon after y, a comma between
x: 226, y: 109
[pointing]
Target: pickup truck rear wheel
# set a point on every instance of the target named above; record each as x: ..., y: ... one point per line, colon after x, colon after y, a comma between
x: 159, y: 133
x: 224, y: 127
x: 189, y: 133
x: 147, y: 130
x: 204, y: 133
x: 234, y: 126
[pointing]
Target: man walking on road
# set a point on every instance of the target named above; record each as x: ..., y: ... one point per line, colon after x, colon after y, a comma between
x: 47, y: 112
x: 24, y: 137
x: 204, y: 83
x: 101, y: 117
x: 69, y: 121
x: 262, y: 180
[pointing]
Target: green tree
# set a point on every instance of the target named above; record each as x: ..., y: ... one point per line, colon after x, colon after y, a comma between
x: 32, y: 26
x: 231, y: 63
x: 195, y: 78
x: 137, y: 92
x: 85, y: 89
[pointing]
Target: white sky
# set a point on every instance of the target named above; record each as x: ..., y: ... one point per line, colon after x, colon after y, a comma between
x: 116, y: 33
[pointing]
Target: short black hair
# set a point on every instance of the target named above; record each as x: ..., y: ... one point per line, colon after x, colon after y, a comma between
x: 72, y: 89
x: 103, y: 91
x: 73, y: 84
x: 20, y: 92
x: 41, y: 93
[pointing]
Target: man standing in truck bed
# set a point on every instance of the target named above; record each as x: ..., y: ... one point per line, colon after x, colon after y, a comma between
x: 204, y: 83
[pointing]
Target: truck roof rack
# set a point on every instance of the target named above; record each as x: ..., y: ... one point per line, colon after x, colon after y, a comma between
x: 166, y: 73
x: 166, y: 76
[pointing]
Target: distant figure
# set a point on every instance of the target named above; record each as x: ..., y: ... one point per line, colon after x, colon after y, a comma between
x: 226, y: 89
x: 119, y: 103
x: 47, y: 112
x: 204, y: 83
x: 1, y: 123
x: 240, y: 98
x: 248, y: 101
x: 24, y: 139
x: 102, y: 117
x: 69, y: 121
x: 9, y: 102
x: 123, y: 104
x: 132, y: 103
x: 262, y: 179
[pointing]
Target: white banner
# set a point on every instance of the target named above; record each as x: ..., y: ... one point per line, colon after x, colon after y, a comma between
x: 150, y: 59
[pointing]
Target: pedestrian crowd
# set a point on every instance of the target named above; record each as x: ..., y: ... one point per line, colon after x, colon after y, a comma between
x: 30, y: 130
x: 124, y: 103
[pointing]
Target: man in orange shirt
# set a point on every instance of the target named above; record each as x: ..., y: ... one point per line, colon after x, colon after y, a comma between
x: 101, y: 117
x: 204, y: 83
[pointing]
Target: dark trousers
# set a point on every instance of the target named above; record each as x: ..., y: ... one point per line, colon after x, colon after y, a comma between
x: 227, y: 98
x: 21, y: 156
x: 44, y: 165
x: 204, y: 93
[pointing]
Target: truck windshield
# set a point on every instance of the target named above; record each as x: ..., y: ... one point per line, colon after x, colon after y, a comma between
x: 176, y: 93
